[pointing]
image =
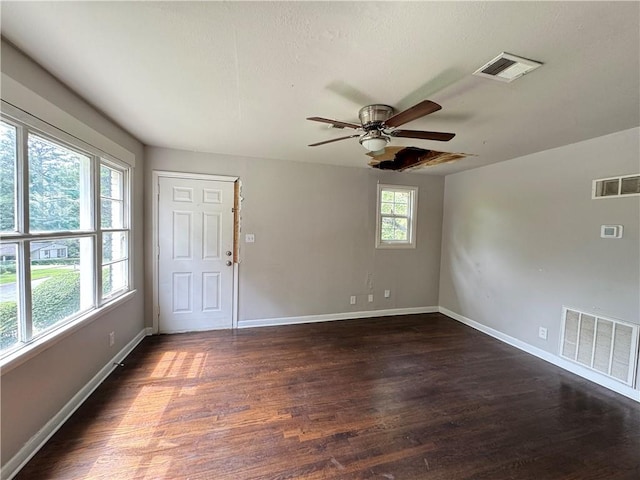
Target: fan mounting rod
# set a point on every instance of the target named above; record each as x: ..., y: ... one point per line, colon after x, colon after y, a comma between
x: 372, y: 117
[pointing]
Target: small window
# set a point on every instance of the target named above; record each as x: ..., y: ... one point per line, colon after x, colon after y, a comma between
x: 396, y: 219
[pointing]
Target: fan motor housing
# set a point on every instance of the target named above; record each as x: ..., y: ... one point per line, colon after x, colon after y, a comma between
x: 373, y: 116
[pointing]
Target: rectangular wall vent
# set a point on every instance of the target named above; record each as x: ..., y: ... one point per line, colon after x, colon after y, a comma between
x: 506, y: 67
x: 607, y: 346
x: 616, y: 186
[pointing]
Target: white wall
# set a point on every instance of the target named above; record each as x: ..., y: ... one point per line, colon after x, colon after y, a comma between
x: 314, y: 227
x: 522, y: 238
x: 35, y: 391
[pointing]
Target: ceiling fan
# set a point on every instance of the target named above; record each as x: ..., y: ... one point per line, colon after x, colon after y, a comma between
x: 379, y: 123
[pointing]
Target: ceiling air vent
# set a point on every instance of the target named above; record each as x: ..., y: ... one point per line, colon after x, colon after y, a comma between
x: 506, y: 67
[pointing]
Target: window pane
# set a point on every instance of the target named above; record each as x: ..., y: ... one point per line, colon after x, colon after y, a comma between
x: 610, y: 188
x: 114, y: 246
x: 111, y: 183
x: 400, y: 229
x: 387, y: 229
x: 112, y: 195
x: 401, y: 209
x: 8, y: 296
x: 61, y: 285
x: 386, y: 208
x: 111, y: 213
x: 387, y: 196
x: 402, y: 197
x: 630, y: 185
x: 8, y: 157
x: 59, y: 187
x: 114, y: 277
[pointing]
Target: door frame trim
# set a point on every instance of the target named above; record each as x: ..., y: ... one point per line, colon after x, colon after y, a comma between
x: 156, y: 175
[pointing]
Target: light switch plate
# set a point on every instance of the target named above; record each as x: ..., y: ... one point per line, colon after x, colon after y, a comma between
x: 249, y: 238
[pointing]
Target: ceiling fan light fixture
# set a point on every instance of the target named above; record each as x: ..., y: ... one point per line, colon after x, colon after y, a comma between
x: 374, y: 141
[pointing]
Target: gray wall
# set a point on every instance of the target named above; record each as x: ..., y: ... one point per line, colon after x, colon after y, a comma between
x: 315, y: 236
x: 34, y: 391
x: 522, y: 238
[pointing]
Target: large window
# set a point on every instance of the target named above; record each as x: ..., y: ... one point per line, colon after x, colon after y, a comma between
x: 396, y: 217
x: 64, y: 232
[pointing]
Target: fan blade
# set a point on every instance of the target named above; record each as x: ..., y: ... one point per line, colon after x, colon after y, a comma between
x: 335, y: 123
x: 439, y: 136
x: 332, y: 140
x: 419, y: 110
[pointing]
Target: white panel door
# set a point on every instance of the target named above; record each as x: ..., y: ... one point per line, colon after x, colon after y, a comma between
x: 195, y: 240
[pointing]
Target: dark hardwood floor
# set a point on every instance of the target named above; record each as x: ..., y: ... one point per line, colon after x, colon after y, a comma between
x: 411, y: 397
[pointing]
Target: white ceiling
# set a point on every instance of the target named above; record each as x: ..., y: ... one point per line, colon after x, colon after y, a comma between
x: 240, y: 78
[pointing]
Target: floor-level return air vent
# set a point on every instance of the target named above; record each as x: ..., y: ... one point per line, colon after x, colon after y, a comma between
x: 601, y: 344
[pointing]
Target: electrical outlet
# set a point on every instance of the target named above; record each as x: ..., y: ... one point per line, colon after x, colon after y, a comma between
x: 370, y: 297
x: 387, y: 293
x: 352, y: 300
x: 112, y: 339
x: 542, y: 333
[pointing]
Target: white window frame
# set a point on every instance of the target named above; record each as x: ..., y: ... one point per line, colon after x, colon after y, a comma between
x: 26, y: 124
x: 126, y: 225
x: 619, y: 194
x: 411, y: 217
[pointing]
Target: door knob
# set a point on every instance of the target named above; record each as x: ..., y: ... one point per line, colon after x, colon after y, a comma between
x: 228, y: 253
x: 229, y: 263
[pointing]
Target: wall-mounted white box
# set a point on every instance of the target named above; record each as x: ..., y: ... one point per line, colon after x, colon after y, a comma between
x: 611, y: 231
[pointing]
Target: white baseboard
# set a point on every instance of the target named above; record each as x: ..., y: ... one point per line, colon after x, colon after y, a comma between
x: 271, y: 322
x: 549, y: 357
x: 19, y: 460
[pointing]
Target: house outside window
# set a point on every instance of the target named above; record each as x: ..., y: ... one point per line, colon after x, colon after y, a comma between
x: 396, y: 216
x: 64, y: 231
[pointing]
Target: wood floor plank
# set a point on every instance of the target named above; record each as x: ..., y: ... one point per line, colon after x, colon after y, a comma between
x: 407, y: 397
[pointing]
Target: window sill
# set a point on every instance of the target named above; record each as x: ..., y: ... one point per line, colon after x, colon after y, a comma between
x: 393, y: 246
x: 39, y: 345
